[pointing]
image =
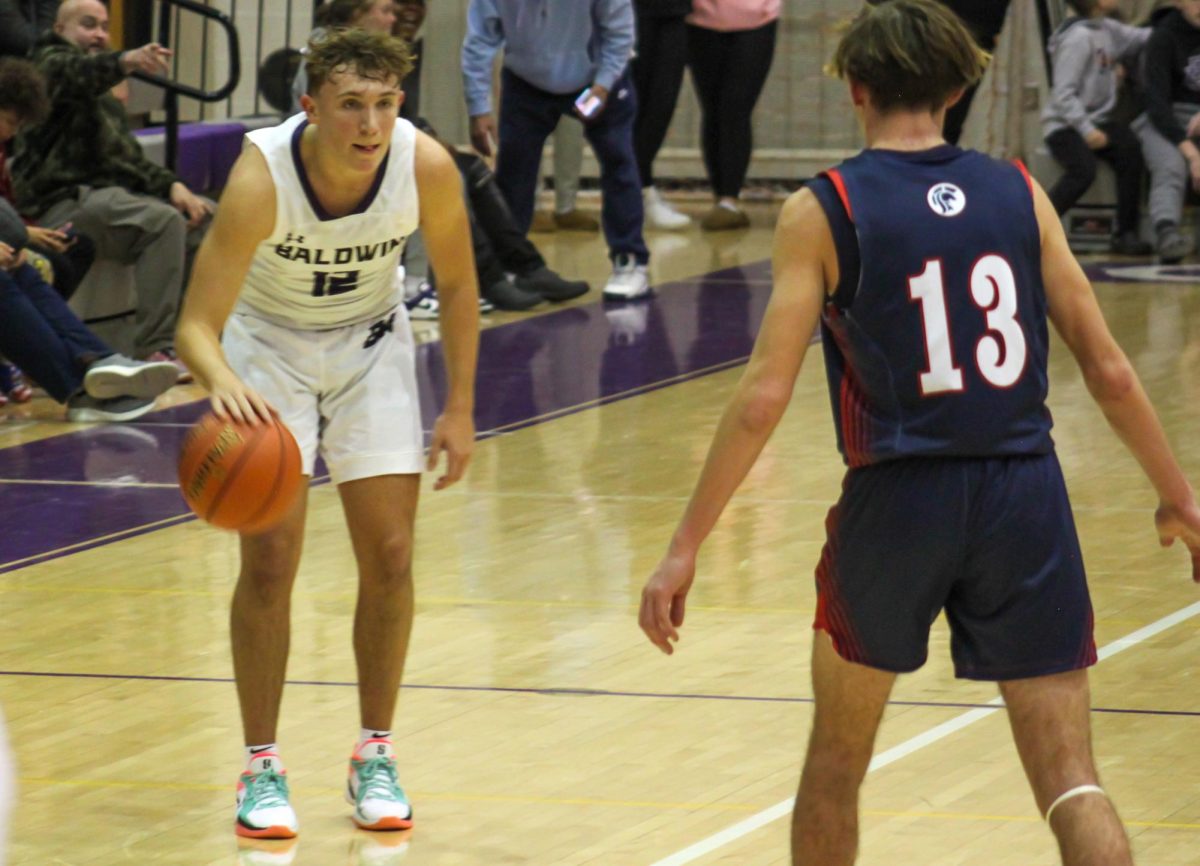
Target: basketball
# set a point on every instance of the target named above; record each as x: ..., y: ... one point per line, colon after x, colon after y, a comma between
x: 239, y: 476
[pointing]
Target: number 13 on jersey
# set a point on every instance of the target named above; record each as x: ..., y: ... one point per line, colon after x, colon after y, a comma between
x: 999, y: 355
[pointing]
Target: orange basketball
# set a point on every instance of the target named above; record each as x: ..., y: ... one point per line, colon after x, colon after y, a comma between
x: 239, y: 476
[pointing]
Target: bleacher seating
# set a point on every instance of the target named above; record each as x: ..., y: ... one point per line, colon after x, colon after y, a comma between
x: 105, y: 299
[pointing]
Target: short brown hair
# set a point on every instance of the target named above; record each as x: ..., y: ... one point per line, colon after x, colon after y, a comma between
x: 23, y: 90
x: 375, y: 56
x: 909, y: 54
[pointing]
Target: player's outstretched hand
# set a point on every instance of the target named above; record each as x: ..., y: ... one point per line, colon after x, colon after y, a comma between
x: 235, y: 401
x: 454, y: 433
x: 1182, y: 522
x: 664, y: 598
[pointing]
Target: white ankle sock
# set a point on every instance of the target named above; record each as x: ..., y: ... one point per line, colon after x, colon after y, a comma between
x: 252, y: 752
x: 365, y: 734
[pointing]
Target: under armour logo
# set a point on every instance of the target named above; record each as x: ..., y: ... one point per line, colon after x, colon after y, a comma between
x: 378, y: 329
x: 293, y: 239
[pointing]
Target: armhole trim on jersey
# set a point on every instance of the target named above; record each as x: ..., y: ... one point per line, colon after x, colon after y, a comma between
x: 247, y: 144
x: 1024, y: 173
x: 845, y: 235
x: 835, y: 177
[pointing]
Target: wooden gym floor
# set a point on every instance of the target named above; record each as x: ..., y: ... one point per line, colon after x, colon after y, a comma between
x: 537, y: 726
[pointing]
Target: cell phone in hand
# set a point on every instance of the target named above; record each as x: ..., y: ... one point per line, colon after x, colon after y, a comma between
x: 69, y: 230
x: 587, y: 104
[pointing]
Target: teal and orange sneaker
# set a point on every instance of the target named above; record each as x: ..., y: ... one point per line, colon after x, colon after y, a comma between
x: 372, y: 789
x: 263, y: 810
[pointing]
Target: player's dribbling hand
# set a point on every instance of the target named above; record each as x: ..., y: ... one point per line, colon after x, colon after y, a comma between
x: 664, y: 598
x: 234, y: 401
x: 454, y: 433
x: 1183, y: 522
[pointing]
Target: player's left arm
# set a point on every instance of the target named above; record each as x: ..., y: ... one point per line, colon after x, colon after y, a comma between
x: 804, y: 263
x: 1113, y: 383
x: 447, y: 233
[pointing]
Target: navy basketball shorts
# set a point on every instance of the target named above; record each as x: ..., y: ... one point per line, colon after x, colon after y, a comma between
x: 989, y: 540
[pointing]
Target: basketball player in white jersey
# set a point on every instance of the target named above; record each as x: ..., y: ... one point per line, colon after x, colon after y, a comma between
x: 294, y: 308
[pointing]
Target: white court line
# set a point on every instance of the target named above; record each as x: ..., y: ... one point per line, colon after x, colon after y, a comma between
x: 903, y: 750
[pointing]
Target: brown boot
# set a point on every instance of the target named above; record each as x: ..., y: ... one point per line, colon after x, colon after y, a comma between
x: 724, y: 218
x: 576, y: 221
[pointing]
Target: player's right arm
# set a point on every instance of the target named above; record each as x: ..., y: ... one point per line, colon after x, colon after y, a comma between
x: 245, y: 218
x: 1113, y: 383
x: 804, y: 263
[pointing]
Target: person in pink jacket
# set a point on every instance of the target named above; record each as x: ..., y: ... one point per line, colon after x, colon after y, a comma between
x: 730, y: 47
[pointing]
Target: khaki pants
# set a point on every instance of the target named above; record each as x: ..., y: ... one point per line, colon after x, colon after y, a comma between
x: 148, y: 234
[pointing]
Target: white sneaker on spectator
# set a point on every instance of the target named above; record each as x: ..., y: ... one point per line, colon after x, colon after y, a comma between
x: 629, y: 280
x: 423, y: 306
x: 84, y: 407
x: 659, y: 214
x: 119, y: 376
x: 185, y: 375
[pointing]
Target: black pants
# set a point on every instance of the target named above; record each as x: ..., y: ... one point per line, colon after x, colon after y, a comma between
x: 657, y: 75
x: 1123, y: 153
x: 728, y: 71
x: 411, y: 109
x: 500, y: 247
x: 985, y: 18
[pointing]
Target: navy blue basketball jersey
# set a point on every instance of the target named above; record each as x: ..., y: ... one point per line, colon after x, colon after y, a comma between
x: 935, y: 339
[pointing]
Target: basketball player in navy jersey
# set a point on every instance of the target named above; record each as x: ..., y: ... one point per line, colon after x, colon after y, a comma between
x: 932, y: 272
x: 294, y: 308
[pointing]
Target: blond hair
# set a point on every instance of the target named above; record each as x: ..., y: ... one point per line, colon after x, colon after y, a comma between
x: 371, y: 55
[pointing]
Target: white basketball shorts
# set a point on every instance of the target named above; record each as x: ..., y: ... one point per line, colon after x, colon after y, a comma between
x: 349, y: 393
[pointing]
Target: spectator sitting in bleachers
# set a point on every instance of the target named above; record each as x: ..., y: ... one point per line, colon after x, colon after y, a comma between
x: 1170, y: 127
x: 39, y: 332
x: 83, y: 165
x: 1078, y: 120
x: 23, y: 101
x: 512, y: 273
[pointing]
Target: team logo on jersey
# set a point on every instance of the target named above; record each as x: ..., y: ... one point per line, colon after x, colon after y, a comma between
x: 945, y: 199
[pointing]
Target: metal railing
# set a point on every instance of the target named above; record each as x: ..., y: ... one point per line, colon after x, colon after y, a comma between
x: 174, y: 89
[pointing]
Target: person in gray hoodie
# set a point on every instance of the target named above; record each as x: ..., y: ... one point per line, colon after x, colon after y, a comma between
x: 1078, y: 121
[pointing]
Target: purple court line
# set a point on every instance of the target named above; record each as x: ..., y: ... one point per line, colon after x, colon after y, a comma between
x: 530, y: 371
x: 572, y: 692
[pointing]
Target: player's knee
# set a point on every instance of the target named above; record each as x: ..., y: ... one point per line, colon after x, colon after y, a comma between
x: 392, y: 562
x: 269, y: 571
x: 836, y: 769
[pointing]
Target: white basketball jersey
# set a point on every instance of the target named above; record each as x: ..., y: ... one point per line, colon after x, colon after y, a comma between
x: 317, y: 271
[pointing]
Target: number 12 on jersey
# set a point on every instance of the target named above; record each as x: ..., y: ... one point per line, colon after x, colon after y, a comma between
x: 334, y: 283
x: 1000, y: 354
